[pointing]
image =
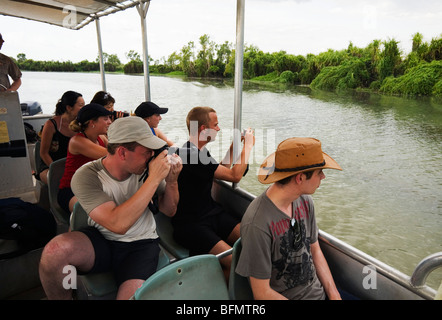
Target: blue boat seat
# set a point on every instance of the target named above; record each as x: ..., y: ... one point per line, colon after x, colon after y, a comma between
x: 165, y: 232
x: 99, y: 286
x: 56, y: 170
x: 239, y: 286
x: 194, y: 278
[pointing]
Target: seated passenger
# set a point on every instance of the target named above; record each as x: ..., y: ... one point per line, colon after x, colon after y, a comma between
x: 280, y: 253
x: 88, y: 144
x: 106, y: 100
x: 56, y: 133
x: 121, y: 236
x: 150, y: 112
x: 201, y: 224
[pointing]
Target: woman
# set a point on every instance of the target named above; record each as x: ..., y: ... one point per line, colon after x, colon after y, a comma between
x: 56, y: 133
x: 88, y: 144
x: 150, y: 112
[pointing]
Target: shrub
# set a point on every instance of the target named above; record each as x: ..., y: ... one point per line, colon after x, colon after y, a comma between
x: 419, y: 80
x: 351, y: 74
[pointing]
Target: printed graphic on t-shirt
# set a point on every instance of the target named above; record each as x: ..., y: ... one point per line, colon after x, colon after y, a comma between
x: 295, y: 267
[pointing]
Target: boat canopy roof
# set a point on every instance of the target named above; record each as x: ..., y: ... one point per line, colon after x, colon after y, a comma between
x: 64, y: 13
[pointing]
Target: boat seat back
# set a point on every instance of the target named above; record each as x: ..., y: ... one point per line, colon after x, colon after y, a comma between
x: 56, y: 170
x: 165, y: 232
x: 79, y: 218
x: 37, y: 157
x: 194, y: 278
x: 99, y: 286
x: 239, y: 286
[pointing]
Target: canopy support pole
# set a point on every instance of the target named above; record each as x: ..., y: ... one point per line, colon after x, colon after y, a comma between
x: 142, y: 10
x: 239, y: 57
x: 100, y: 54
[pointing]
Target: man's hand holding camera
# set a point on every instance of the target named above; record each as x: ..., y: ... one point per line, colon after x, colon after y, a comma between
x: 166, y: 166
x: 176, y: 164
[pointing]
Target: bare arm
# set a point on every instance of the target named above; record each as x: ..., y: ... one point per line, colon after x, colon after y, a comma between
x: 323, y: 272
x: 262, y: 291
x: 46, y: 141
x: 235, y: 173
x: 81, y: 145
x: 169, y: 200
x: 162, y: 136
x: 15, y: 85
x: 119, y: 219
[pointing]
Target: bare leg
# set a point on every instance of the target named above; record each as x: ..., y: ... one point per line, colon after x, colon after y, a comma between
x: 44, y: 176
x: 71, y: 248
x: 234, y: 235
x: 127, y: 288
x: 222, y: 246
x: 72, y: 202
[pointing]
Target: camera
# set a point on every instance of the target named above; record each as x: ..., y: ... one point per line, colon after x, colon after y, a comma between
x: 158, y: 151
x: 119, y: 114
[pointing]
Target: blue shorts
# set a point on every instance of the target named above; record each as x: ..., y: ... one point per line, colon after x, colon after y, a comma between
x: 127, y: 260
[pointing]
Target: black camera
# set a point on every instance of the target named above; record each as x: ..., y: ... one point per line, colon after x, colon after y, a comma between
x: 158, y: 151
x: 119, y: 114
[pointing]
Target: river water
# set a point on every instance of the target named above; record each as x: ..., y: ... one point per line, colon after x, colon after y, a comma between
x: 387, y: 201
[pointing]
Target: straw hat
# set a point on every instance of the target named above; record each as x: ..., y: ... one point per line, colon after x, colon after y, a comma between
x: 293, y: 156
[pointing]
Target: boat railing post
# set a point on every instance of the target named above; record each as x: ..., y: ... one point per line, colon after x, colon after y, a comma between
x: 239, y: 57
x: 142, y: 10
x: 424, y: 268
x: 100, y: 54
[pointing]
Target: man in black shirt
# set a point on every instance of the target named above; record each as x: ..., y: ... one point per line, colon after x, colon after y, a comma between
x: 201, y: 224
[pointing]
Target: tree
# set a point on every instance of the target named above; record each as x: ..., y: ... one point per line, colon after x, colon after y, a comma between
x: 187, y: 56
x: 133, y: 56
x: 390, y: 60
x: 205, y: 56
x: 21, y: 57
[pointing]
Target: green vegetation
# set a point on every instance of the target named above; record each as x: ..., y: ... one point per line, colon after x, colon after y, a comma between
x: 380, y: 67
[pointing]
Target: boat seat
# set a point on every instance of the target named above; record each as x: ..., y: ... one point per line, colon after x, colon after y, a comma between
x: 99, y: 286
x: 194, y: 278
x: 44, y: 190
x: 37, y: 157
x: 56, y: 170
x: 165, y: 232
x: 239, y: 286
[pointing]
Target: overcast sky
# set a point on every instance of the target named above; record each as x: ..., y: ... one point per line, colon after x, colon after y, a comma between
x: 295, y: 26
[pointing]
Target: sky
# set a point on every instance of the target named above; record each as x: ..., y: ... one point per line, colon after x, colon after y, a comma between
x: 295, y: 26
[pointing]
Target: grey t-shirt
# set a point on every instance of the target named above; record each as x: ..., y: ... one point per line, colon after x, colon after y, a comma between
x: 274, y: 249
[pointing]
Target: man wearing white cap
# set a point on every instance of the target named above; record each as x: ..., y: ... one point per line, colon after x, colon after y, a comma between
x: 279, y: 236
x: 121, y: 236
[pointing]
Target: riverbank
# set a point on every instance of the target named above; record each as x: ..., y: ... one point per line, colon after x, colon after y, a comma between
x: 379, y: 67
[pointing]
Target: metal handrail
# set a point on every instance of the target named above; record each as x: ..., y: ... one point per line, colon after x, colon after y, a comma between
x: 424, y: 268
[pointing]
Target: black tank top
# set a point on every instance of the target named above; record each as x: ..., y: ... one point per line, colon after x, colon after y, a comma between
x: 58, y: 148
